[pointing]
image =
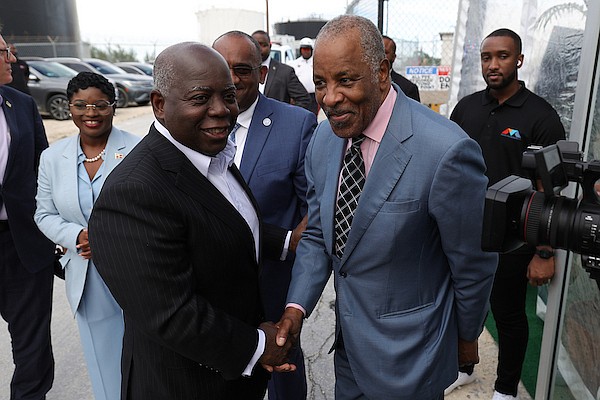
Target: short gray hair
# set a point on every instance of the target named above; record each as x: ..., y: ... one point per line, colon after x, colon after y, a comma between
x: 164, y: 67
x: 371, y: 40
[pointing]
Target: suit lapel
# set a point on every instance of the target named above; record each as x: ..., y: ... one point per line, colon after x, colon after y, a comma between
x: 238, y: 176
x: 335, y: 157
x: 387, y: 169
x: 258, y: 133
x: 114, y: 149
x: 15, y: 134
x: 189, y: 180
x: 68, y: 165
x: 270, y: 76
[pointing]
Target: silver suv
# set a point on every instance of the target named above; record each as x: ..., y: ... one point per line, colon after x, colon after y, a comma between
x: 48, y: 86
x: 130, y: 87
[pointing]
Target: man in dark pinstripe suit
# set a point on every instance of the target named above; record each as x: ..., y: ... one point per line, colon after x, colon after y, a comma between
x: 176, y: 236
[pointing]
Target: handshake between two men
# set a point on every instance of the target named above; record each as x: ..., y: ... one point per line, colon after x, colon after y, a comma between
x: 280, y: 339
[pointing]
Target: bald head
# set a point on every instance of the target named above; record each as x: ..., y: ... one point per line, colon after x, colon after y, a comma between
x: 177, y: 56
x: 194, y: 97
x: 242, y: 54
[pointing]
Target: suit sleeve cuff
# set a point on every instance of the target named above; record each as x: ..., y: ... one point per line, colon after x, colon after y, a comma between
x: 297, y: 307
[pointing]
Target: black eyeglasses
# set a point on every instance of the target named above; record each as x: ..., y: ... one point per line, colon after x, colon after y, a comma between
x: 8, y: 54
x: 243, y: 71
x: 81, y: 107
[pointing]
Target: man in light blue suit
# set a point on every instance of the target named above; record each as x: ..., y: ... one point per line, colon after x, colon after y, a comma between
x: 271, y: 141
x: 411, y: 280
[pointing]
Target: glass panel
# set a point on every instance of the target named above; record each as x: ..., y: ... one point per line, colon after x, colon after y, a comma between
x: 578, y: 365
x: 577, y: 371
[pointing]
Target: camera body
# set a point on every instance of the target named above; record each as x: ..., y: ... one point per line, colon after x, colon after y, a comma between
x: 517, y: 214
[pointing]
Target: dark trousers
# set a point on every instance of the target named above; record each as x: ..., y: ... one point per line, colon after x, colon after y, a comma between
x: 26, y: 305
x: 507, y: 303
x: 274, y: 281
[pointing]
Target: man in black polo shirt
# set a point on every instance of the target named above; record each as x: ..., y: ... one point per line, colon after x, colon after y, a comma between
x: 505, y: 119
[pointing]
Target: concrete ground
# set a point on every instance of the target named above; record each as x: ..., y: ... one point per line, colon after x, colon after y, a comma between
x: 317, y: 338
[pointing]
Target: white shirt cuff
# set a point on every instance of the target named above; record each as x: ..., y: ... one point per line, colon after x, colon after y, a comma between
x: 260, y: 349
x: 286, y: 246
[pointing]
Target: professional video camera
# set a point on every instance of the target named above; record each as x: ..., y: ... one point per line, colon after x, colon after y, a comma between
x: 516, y: 214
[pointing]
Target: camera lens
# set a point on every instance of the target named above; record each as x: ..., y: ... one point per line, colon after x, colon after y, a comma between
x: 549, y: 220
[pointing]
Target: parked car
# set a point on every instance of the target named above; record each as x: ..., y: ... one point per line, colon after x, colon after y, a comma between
x: 136, y: 67
x: 130, y: 87
x: 48, y: 86
x: 282, y: 53
x: 79, y: 66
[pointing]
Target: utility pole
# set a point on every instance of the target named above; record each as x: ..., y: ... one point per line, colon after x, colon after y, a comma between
x: 267, y: 14
x: 380, y: 15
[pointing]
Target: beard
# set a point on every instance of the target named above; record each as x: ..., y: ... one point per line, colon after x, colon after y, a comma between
x: 504, y: 82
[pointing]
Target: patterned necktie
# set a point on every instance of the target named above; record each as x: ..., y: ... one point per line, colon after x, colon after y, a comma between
x: 353, y: 180
x: 232, y: 133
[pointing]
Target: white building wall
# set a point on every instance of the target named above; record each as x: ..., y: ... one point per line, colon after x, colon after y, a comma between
x: 213, y: 22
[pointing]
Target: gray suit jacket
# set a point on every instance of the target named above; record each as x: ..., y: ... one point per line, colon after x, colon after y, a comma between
x: 282, y: 84
x: 413, y: 278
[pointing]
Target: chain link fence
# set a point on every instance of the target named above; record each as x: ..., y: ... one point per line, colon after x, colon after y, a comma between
x: 424, y: 36
x: 46, y: 46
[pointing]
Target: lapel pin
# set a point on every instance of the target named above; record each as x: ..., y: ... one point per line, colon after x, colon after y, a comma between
x: 8, y: 104
x: 118, y: 156
x: 267, y: 121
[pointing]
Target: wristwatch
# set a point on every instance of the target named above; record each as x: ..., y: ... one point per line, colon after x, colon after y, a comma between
x: 544, y: 253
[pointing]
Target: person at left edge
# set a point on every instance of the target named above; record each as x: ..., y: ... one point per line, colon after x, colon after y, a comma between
x: 20, y: 72
x: 71, y: 175
x: 177, y: 238
x: 26, y: 255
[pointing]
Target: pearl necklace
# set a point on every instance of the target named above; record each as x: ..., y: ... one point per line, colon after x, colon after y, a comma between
x: 94, y: 159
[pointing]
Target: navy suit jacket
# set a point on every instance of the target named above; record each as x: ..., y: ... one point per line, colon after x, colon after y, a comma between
x: 282, y: 84
x: 273, y: 160
x: 413, y: 277
x: 28, y: 140
x: 273, y: 167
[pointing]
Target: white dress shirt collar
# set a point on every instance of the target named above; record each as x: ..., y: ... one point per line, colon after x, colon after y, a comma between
x: 244, y: 119
x: 201, y: 161
x: 4, y: 148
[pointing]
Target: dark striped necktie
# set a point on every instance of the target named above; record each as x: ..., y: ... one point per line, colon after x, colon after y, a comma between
x: 351, y: 185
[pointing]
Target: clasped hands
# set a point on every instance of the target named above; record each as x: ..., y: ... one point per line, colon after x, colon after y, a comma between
x: 83, y: 244
x: 281, y: 338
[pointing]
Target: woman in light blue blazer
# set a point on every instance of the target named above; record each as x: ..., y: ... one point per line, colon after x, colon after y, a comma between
x: 71, y: 174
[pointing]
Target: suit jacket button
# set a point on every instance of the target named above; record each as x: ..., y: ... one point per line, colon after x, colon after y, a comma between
x: 343, y: 274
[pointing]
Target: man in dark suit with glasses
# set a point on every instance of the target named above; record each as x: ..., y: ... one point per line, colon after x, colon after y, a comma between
x: 26, y: 255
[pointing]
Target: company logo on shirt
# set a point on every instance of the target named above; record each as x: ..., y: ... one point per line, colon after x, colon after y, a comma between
x: 511, y: 133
